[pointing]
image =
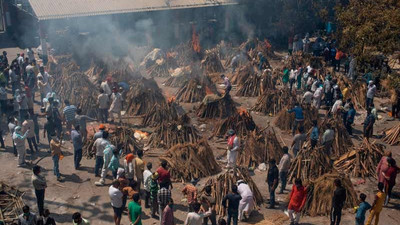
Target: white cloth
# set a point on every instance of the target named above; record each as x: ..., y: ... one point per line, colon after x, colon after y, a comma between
x: 100, y: 145
x: 44, y: 87
x: 116, y: 105
x: 329, y: 135
x: 284, y: 164
x: 29, y: 125
x: 129, y: 169
x: 231, y: 156
x: 246, y: 204
x: 307, y: 97
x: 371, y: 91
x: 45, y: 76
x: 103, y: 101
x: 196, y: 218
x: 106, y: 88
x: 115, y: 196
x: 336, y: 106
x: 146, y: 175
x: 294, y: 216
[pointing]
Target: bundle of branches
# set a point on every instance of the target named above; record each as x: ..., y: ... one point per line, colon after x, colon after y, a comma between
x: 160, y: 113
x: 243, y: 74
x: 56, y: 64
x: 143, y: 95
x: 392, y: 135
x: 77, y: 88
x: 193, y: 91
x: 212, y: 63
x: 119, y: 70
x: 172, y: 133
x: 362, y: 160
x: 10, y: 203
x: 255, y: 85
x: 285, y: 120
x: 191, y: 160
x: 222, y: 184
x: 182, y: 75
x: 343, y: 142
x: 242, y: 123
x: 358, y: 93
x: 185, y: 53
x: 309, y: 164
x: 121, y: 137
x: 273, y: 101
x: 320, y: 192
x: 214, y: 106
x: 158, y: 69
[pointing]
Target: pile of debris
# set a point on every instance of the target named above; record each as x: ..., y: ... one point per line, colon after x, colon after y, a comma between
x: 180, y: 76
x: 222, y: 185
x: 10, y: 204
x: 143, y: 95
x: 161, y: 113
x: 273, y: 101
x: 172, y: 133
x: 214, y: 106
x: 212, y: 63
x: 195, y: 90
x: 255, y: 85
x: 158, y: 69
x: 121, y: 137
x: 285, y: 120
x: 392, y: 135
x: 191, y: 160
x: 243, y: 74
x: 118, y: 70
x: 361, y: 161
x: 242, y: 123
x: 320, y: 192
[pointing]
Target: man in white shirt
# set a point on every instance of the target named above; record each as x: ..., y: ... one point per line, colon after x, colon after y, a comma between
x: 327, y: 139
x: 104, y: 102
x: 105, y: 85
x: 307, y: 97
x: 146, y: 183
x: 43, y: 74
x: 283, y: 167
x: 246, y: 204
x: 196, y: 218
x: 336, y: 107
x: 317, y: 98
x: 370, y: 93
x: 99, y: 145
x: 116, y: 201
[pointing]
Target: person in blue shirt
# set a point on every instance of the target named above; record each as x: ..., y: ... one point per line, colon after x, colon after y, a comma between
x: 314, y: 134
x: 369, y: 124
x: 298, y: 117
x: 362, y: 209
x: 350, y: 118
x: 76, y: 138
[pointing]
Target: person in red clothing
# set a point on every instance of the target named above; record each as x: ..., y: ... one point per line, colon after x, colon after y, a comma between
x: 163, y: 173
x: 298, y: 198
x: 390, y: 178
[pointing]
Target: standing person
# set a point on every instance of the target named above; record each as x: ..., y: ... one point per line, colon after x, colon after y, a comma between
x: 205, y: 199
x: 395, y: 100
x: 283, y: 167
x: 307, y: 97
x: 369, y: 124
x: 317, y: 98
x: 27, y: 218
x: 350, y: 115
x: 377, y: 205
x: 44, y: 88
x: 19, y: 140
x: 370, y: 93
x: 78, y: 220
x: 163, y: 196
x: 338, y: 57
x: 37, y: 128
x: 69, y: 115
x: 327, y: 139
x: 76, y: 139
x: 233, y: 148
x: 362, y: 209
x: 338, y: 200
x: 103, y: 100
x: 190, y: 191
x: 298, y: 141
x: 14, y: 79
x: 336, y: 108
x: 227, y: 84
x: 55, y: 147
x: 82, y: 120
x: 164, y: 174
x: 57, y: 119
x: 99, y: 134
x: 272, y: 180
x: 246, y: 204
x: 298, y: 117
x: 46, y: 219
x: 146, y: 183
x: 116, y: 105
x: 3, y: 99
x: 99, y: 146
x: 105, y: 86
x: 114, y: 162
x: 139, y: 168
x: 298, y: 198
x: 383, y: 165
x: 390, y: 178
x: 135, y: 210
x: 292, y: 79
x: 233, y: 199
x: 12, y: 124
x: 40, y: 185
x: 314, y: 136
x: 129, y: 167
x: 49, y: 129
x: 29, y: 125
x: 196, y: 218
x: 42, y: 73
x: 22, y: 101
x: 285, y: 77
x: 153, y: 194
x: 116, y: 201
x: 168, y: 214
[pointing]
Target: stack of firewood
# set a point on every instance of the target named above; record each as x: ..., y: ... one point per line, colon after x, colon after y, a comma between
x: 342, y: 143
x: 158, y: 69
x: 273, y: 101
x: 255, y: 85
x: 362, y: 160
x: 212, y: 63
x: 242, y: 123
x: 193, y: 91
x: 214, y: 106
x: 285, y: 120
x: 242, y: 74
x: 191, y: 160
x: 10, y: 204
x: 160, y: 113
x: 222, y: 185
x: 392, y: 135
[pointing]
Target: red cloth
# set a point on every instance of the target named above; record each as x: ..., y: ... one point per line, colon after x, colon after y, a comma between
x: 129, y: 157
x: 297, y: 198
x: 391, y: 173
x: 230, y: 141
x: 163, y: 175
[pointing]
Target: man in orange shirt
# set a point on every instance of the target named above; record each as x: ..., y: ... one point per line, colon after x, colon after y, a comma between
x: 191, y: 193
x: 338, y: 57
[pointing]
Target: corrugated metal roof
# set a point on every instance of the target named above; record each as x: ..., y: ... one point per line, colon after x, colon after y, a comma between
x: 58, y: 9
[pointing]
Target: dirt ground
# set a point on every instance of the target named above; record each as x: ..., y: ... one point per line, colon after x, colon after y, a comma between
x: 77, y: 192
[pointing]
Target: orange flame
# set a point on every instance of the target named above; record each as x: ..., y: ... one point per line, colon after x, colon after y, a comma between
x: 195, y: 40
x: 243, y: 112
x: 142, y: 133
x: 208, y: 91
x: 171, y: 99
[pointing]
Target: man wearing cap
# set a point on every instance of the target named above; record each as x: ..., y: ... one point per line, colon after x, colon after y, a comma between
x: 99, y: 134
x: 116, y: 105
x: 246, y: 204
x: 233, y: 148
x: 55, y: 147
x: 191, y: 194
x: 19, y: 141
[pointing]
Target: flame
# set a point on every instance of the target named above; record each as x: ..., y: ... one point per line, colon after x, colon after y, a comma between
x: 171, y: 99
x: 208, y: 91
x: 142, y: 133
x: 195, y: 40
x: 243, y: 112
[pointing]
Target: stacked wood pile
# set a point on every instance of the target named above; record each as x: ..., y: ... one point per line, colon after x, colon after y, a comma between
x: 56, y: 64
x: 118, y: 70
x: 185, y: 54
x: 222, y: 185
x: 160, y: 113
x: 242, y: 123
x: 320, y: 192
x: 361, y: 161
x: 193, y: 91
x: 180, y: 76
x: 285, y: 120
x: 273, y: 147
x: 172, y: 133
x: 10, y: 203
x: 213, y: 106
x: 242, y: 74
x: 212, y: 63
x: 143, y: 95
x: 392, y: 135
x: 309, y: 164
x: 358, y: 91
x: 273, y: 101
x: 342, y: 143
x: 255, y: 85
x: 191, y: 160
x: 158, y: 69
x: 120, y: 137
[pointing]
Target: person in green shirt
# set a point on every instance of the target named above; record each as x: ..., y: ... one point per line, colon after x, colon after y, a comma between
x: 285, y: 78
x: 153, y: 193
x: 135, y: 210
